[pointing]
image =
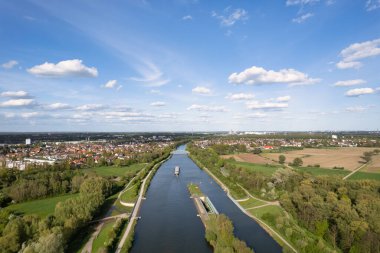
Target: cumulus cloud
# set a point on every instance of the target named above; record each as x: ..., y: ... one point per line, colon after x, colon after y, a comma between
x: 207, y: 108
x: 240, y: 96
x: 256, y: 115
x: 64, y: 68
x: 17, y: 102
x: 158, y: 104
x: 347, y: 83
x: 91, y: 107
x: 18, y: 94
x: 10, y: 64
x: 187, y: 17
x: 358, y: 51
x: 283, y: 99
x: 258, y: 75
x: 359, y: 92
x: 112, y: 84
x: 201, y: 90
x: 302, y: 18
x: 57, y: 106
x: 255, y: 105
x: 372, y: 5
x: 230, y: 17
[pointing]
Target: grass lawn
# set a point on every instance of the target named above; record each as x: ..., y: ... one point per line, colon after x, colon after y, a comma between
x: 109, y: 171
x: 364, y: 175
x: 130, y: 196
x: 266, y: 169
x: 41, y: 207
x: 251, y: 203
x: 102, y: 236
x: 194, y: 190
x: 321, y: 171
x: 275, y: 210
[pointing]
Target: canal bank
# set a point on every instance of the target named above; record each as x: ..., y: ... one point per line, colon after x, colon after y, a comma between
x: 169, y: 221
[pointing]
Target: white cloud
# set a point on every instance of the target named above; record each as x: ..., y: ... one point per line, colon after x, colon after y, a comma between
x: 347, y: 83
x: 10, y: 64
x: 150, y: 74
x: 359, y: 92
x: 302, y: 18
x: 27, y: 115
x: 255, y: 105
x: 256, y: 115
x: 207, y: 108
x: 358, y: 51
x: 91, y: 107
x: 19, y: 93
x: 372, y: 5
x: 240, y: 96
x: 300, y: 2
x: 17, y: 103
x: 258, y: 75
x: 283, y: 99
x: 201, y: 90
x: 187, y: 17
x: 231, y: 17
x: 158, y: 104
x: 57, y: 106
x: 112, y: 84
x: 64, y: 68
x: 357, y: 109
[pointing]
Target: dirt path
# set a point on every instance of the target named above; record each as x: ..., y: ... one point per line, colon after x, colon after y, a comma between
x: 88, y: 247
x: 261, y: 222
x: 356, y: 170
x: 134, y: 214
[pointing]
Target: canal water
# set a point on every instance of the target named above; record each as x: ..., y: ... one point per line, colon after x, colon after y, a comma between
x: 169, y: 221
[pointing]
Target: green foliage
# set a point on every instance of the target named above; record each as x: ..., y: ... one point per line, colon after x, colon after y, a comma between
x: 224, y: 149
x: 297, y: 162
x: 281, y: 159
x: 219, y: 233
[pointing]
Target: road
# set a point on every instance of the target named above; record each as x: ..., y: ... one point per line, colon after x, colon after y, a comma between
x: 134, y: 214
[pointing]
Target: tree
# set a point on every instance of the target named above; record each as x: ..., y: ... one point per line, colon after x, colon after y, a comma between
x: 297, y: 162
x: 281, y: 159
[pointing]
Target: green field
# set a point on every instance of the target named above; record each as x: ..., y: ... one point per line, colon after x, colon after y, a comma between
x: 41, y: 207
x: 364, y: 175
x: 321, y: 171
x: 130, y: 196
x: 275, y: 210
x: 109, y: 171
x: 102, y: 236
x: 266, y: 169
x: 251, y: 203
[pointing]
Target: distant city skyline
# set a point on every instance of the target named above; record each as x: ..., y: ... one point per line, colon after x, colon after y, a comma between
x: 189, y: 65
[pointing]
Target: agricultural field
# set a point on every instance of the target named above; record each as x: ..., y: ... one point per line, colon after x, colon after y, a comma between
x: 266, y: 169
x: 113, y: 171
x: 40, y: 207
x: 349, y: 158
x: 374, y: 165
x: 249, y: 158
x: 322, y: 171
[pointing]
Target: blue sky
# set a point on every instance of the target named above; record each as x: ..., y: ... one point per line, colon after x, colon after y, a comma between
x: 185, y: 65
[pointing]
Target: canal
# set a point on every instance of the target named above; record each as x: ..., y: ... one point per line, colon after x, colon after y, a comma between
x: 169, y: 221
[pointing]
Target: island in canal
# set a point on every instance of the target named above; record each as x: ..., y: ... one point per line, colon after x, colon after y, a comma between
x: 219, y: 229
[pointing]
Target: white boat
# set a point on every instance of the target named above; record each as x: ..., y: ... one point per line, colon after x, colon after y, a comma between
x: 176, y: 170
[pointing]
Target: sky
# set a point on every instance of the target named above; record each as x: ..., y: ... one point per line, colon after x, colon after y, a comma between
x: 189, y: 65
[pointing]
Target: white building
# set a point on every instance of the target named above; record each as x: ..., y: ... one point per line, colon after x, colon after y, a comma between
x: 28, y: 141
